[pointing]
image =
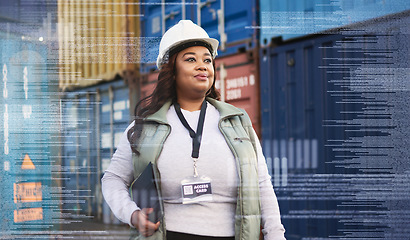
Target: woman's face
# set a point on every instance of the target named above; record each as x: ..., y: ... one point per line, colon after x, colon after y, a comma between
x: 194, y: 73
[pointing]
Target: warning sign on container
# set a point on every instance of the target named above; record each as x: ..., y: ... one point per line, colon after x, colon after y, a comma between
x: 28, y: 214
x: 27, y: 192
x: 27, y: 163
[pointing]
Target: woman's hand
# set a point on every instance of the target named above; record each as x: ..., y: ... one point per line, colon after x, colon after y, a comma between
x: 140, y: 221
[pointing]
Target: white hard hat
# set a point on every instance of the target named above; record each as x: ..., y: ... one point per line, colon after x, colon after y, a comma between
x: 184, y: 32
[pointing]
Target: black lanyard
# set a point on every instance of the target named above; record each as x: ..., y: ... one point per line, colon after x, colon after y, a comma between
x: 196, y: 136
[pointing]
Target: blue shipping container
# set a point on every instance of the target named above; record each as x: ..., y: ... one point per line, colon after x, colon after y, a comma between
x: 228, y: 21
x: 335, y: 126
x: 26, y: 17
x: 27, y: 137
x: 294, y: 18
x: 94, y: 120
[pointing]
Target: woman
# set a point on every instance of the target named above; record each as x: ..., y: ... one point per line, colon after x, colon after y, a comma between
x: 208, y: 162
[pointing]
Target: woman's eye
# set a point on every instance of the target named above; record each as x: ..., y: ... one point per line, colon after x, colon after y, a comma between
x: 208, y: 60
x: 190, y: 60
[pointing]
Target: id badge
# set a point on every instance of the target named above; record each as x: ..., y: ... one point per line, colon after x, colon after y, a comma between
x: 196, y: 189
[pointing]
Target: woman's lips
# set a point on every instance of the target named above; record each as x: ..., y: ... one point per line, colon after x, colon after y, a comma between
x: 202, y: 77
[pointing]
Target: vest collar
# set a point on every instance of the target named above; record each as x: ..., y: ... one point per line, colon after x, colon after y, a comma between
x: 225, y: 110
x: 160, y: 116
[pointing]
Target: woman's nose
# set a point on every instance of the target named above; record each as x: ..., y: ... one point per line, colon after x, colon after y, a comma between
x: 202, y: 66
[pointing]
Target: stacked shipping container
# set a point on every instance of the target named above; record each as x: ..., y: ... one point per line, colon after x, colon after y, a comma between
x: 95, y: 119
x: 28, y: 133
x: 29, y: 113
x: 293, y: 18
x: 97, y: 41
x: 98, y: 60
x: 328, y: 110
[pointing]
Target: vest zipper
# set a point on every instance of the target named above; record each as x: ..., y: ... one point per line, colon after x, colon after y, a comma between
x: 228, y: 141
x: 157, y: 176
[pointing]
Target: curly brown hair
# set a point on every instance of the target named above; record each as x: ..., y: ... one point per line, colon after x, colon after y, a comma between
x: 164, y: 91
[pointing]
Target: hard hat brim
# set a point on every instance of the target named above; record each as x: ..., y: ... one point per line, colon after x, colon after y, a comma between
x: 210, y: 41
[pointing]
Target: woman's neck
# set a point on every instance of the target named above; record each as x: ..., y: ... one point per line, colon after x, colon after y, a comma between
x: 190, y: 104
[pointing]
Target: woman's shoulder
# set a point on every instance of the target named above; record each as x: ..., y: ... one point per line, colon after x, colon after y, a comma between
x: 227, y: 109
x: 224, y: 106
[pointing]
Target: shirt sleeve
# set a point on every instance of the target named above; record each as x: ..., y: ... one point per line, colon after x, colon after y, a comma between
x: 272, y: 227
x: 117, y: 179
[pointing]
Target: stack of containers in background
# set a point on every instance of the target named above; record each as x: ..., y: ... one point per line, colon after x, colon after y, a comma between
x: 29, y: 130
x: 320, y: 106
x: 294, y: 18
x: 97, y: 42
x: 226, y: 20
x: 96, y: 118
x: 28, y: 119
x: 98, y: 56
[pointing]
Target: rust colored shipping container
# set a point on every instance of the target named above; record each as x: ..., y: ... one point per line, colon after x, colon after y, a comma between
x: 97, y: 41
x: 237, y: 79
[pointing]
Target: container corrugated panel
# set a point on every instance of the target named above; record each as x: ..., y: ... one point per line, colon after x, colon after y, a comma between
x: 28, y: 19
x: 232, y: 18
x: 95, y: 118
x: 240, y: 78
x: 28, y: 123
x: 23, y: 11
x: 332, y: 111
x: 293, y: 18
x: 97, y: 41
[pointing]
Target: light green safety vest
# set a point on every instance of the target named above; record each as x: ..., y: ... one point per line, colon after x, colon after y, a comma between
x: 236, y: 127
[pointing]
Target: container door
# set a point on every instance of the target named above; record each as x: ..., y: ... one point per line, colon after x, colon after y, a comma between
x: 28, y: 125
